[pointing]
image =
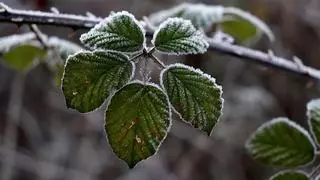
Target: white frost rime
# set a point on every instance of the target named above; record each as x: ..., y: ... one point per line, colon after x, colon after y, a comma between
x: 185, y: 39
x: 119, y: 32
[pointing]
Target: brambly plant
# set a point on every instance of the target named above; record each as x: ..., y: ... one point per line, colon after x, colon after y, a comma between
x: 283, y: 143
x: 138, y: 114
x: 138, y: 111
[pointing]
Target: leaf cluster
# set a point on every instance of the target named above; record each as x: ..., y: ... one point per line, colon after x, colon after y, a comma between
x: 285, y: 144
x: 138, y: 113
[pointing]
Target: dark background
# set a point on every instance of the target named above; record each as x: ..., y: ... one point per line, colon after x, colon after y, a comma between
x: 51, y: 142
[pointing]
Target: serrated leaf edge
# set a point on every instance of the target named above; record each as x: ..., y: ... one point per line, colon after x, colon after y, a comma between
x: 213, y: 80
x: 170, y: 116
x: 109, y: 19
x: 92, y: 52
x: 289, y: 123
x: 313, y: 104
x: 288, y: 171
x: 198, y: 33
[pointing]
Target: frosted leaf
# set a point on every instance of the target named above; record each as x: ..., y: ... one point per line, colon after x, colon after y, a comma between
x: 234, y: 14
x: 119, y: 32
x: 7, y: 42
x: 281, y: 143
x: 137, y: 120
x: 194, y: 95
x: 233, y: 20
x: 290, y: 175
x: 90, y: 77
x: 64, y: 47
x: 201, y: 15
x: 23, y: 57
x: 313, y: 113
x: 179, y: 36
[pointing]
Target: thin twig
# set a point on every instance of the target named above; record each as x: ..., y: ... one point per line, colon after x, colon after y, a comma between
x: 40, y: 37
x: 315, y: 172
x: 10, y: 15
x: 157, y: 61
x: 136, y: 57
x: 264, y: 59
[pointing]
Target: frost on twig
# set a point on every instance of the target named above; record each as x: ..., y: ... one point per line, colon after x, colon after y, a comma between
x: 223, y: 37
x: 39, y: 35
x: 55, y: 10
x: 299, y: 63
x: 271, y: 55
x: 75, y: 21
x: 8, y: 14
x: 90, y: 14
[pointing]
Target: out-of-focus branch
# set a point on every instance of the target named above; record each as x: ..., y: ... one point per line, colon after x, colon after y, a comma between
x: 10, y: 15
x: 19, y: 17
x: 266, y: 59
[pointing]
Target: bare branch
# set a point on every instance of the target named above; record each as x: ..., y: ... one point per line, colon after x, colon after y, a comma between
x: 10, y: 15
x: 40, y: 37
x: 315, y: 173
x: 263, y: 58
x: 157, y: 61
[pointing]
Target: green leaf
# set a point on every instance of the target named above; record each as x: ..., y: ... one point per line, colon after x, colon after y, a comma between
x: 63, y: 47
x: 194, y: 95
x: 21, y: 58
x: 137, y: 121
x: 239, y: 23
x: 59, y: 69
x: 290, y: 175
x: 201, y: 15
x: 313, y: 113
x: 243, y: 25
x: 179, y: 36
x: 119, y: 32
x: 281, y: 143
x: 90, y: 77
x: 240, y: 29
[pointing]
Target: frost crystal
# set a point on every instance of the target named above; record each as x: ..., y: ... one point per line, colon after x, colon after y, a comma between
x: 201, y: 15
x: 6, y: 43
x: 179, y: 36
x: 119, y: 32
x: 313, y: 113
x: 194, y: 95
x: 313, y: 104
x: 282, y: 143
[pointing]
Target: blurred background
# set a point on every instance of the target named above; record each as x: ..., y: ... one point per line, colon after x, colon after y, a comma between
x: 47, y: 141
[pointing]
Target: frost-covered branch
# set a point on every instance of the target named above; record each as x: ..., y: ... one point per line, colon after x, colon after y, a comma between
x: 19, y: 17
x: 10, y: 15
x: 266, y: 59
